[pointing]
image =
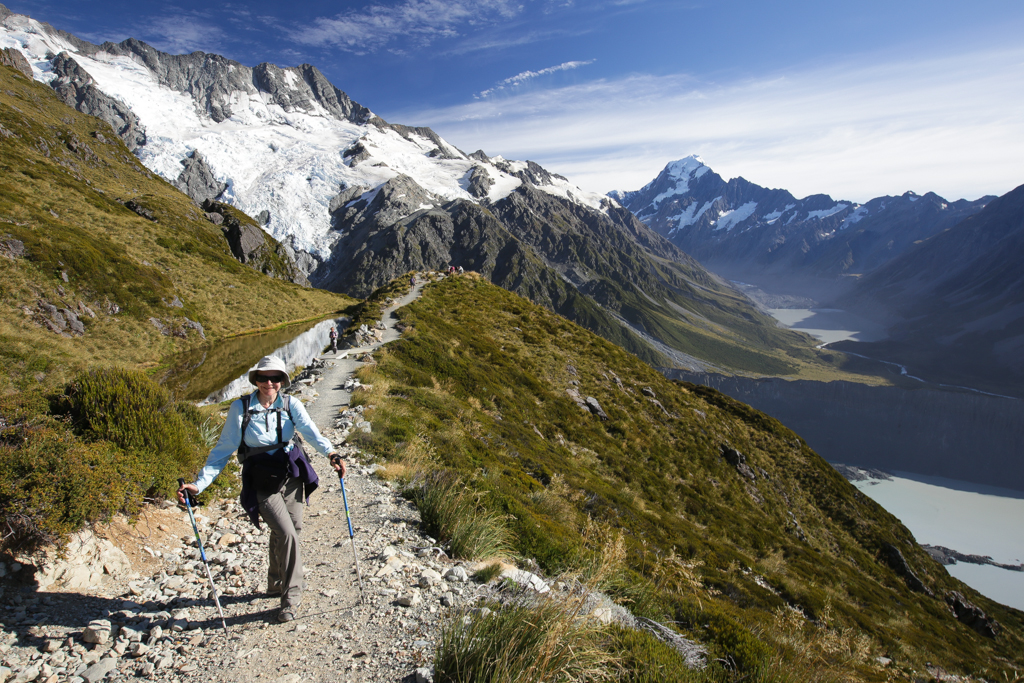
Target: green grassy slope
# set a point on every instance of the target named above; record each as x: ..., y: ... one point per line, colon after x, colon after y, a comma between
x: 98, y: 230
x: 783, y: 562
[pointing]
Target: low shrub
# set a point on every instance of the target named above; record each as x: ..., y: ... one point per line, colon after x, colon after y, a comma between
x: 52, y: 483
x: 642, y: 658
x: 128, y: 409
x: 99, y: 448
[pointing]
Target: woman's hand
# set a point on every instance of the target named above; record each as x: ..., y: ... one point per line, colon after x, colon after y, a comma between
x: 337, y: 463
x: 187, y: 487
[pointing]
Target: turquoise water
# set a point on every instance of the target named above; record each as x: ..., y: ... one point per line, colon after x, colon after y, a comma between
x: 969, y: 518
x: 829, y: 324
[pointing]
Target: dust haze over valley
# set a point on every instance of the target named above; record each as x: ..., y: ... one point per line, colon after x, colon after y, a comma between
x: 598, y: 372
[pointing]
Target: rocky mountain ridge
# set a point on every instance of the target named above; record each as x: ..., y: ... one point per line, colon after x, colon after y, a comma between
x: 954, y: 303
x: 815, y: 246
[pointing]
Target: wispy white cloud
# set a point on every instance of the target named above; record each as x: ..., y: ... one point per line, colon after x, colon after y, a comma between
x: 184, y: 33
x: 953, y: 125
x: 421, y: 21
x: 525, y: 76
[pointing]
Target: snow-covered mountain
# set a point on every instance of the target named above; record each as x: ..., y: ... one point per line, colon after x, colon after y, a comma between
x: 282, y: 142
x: 771, y: 238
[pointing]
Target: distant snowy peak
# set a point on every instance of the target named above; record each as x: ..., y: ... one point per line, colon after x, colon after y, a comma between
x: 280, y: 142
x: 690, y: 167
x: 734, y: 221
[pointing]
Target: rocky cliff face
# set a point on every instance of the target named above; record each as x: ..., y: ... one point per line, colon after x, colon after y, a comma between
x: 14, y: 58
x: 214, y: 82
x: 966, y: 436
x: 78, y: 90
x: 197, y: 180
x: 252, y: 246
x: 770, y: 238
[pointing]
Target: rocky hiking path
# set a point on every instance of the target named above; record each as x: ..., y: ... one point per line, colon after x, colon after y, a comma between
x: 158, y: 622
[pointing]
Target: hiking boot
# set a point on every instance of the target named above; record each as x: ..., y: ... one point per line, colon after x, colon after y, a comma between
x: 286, y: 614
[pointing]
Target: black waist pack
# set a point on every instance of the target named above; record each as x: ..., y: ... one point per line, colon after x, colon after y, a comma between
x: 269, y: 475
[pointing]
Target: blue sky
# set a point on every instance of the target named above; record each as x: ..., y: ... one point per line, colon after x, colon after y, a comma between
x: 853, y: 99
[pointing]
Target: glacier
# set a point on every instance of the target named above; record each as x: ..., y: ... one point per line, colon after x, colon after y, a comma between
x: 286, y: 159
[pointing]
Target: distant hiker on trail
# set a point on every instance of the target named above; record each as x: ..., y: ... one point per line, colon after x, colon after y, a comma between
x: 461, y: 271
x: 334, y: 340
x: 412, y: 281
x: 276, y: 476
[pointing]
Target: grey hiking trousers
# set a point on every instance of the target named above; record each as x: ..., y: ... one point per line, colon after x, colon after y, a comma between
x: 283, y: 514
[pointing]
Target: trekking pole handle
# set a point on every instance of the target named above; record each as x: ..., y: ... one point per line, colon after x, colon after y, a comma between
x: 189, y: 498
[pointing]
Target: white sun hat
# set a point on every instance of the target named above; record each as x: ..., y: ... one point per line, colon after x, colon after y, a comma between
x: 270, y: 364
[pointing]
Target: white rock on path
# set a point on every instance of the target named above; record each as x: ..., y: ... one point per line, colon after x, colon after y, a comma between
x: 525, y: 578
x: 97, y: 671
x: 98, y: 631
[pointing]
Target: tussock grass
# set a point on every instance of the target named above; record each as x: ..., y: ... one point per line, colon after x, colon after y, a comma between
x: 453, y: 513
x: 488, y: 572
x: 523, y: 643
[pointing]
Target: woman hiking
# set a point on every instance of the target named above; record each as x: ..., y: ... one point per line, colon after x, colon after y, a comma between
x: 276, y: 476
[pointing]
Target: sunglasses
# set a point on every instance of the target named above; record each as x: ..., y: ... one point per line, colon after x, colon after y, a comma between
x: 276, y: 379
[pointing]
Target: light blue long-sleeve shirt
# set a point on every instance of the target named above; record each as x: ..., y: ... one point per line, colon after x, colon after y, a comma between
x: 261, y: 431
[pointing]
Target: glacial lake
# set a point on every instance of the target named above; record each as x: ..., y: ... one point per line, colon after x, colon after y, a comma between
x: 969, y: 518
x: 829, y: 324
x: 220, y: 372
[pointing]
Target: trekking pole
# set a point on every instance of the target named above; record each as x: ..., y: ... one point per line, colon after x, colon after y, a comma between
x: 189, y: 502
x: 351, y: 537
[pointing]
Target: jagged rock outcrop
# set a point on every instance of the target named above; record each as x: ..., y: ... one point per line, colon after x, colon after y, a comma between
x: 480, y: 182
x: 213, y: 80
x: 62, y: 321
x: 197, y: 179
x: 969, y: 614
x: 304, y: 261
x: 895, y: 559
x: 737, y: 460
x: 253, y: 247
x: 530, y: 172
x: 78, y: 90
x: 16, y: 60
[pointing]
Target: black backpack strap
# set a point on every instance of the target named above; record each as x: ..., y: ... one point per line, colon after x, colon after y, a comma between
x: 243, y: 448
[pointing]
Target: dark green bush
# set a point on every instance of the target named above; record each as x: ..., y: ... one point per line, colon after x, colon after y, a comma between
x: 112, y: 437
x: 129, y: 409
x: 52, y: 483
